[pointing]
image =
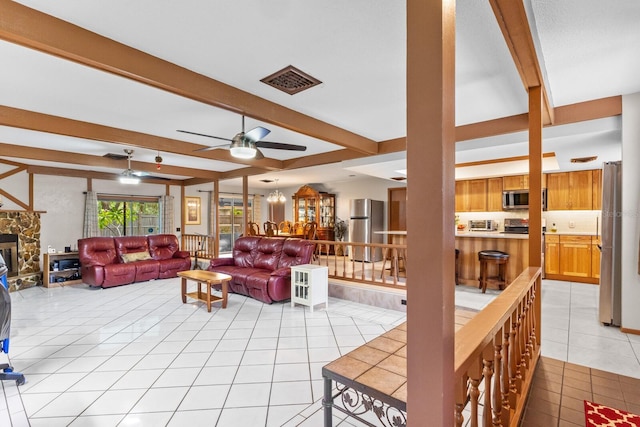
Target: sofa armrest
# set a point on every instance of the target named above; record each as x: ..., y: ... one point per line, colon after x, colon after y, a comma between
x: 217, y: 262
x: 282, y: 272
x: 181, y: 254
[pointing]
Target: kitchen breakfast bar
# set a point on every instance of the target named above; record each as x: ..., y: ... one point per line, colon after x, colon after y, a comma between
x: 469, y: 243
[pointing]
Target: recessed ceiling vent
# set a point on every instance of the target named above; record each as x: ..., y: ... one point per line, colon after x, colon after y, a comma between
x: 291, y: 80
x: 114, y: 156
x: 266, y: 181
x: 399, y: 178
x: 583, y: 159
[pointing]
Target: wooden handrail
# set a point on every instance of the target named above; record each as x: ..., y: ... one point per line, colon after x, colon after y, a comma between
x: 500, y: 346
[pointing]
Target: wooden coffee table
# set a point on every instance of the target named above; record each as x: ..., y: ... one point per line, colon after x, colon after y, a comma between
x: 209, y: 278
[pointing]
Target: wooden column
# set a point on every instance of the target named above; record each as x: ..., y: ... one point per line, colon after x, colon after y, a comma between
x: 245, y: 204
x: 535, y: 176
x: 430, y: 200
x: 535, y: 197
x: 216, y: 219
x: 182, y: 208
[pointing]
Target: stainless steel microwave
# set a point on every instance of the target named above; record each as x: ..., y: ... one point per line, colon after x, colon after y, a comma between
x: 519, y: 199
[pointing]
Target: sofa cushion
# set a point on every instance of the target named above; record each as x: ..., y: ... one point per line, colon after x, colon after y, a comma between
x: 267, y: 253
x: 130, y: 244
x: 244, y: 250
x: 119, y: 274
x: 135, y: 256
x: 97, y: 251
x: 163, y: 246
x: 296, y: 252
x: 147, y: 270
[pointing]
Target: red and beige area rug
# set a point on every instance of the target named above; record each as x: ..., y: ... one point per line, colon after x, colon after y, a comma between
x: 598, y: 415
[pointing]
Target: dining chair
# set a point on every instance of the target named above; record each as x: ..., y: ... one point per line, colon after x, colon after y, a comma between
x: 270, y: 228
x: 297, y: 228
x: 310, y: 229
x: 285, y: 227
x: 253, y: 229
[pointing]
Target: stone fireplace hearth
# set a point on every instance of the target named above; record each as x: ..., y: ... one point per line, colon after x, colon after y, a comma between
x: 26, y: 226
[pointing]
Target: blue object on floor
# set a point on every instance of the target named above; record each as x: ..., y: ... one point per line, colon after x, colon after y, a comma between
x: 5, y: 326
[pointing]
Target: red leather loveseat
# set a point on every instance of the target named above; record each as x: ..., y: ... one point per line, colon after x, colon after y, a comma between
x: 260, y: 266
x: 114, y: 261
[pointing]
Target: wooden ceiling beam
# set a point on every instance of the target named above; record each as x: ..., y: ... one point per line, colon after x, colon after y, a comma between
x: 513, y: 22
x: 34, y: 29
x: 75, y: 173
x: 39, y: 122
x: 33, y: 153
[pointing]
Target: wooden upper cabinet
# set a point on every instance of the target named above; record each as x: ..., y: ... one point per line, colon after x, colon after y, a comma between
x: 471, y: 195
x: 570, y: 190
x: 494, y: 194
x: 597, y: 189
x: 515, y: 182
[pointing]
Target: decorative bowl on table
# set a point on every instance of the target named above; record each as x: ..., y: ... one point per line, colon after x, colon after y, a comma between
x: 461, y: 227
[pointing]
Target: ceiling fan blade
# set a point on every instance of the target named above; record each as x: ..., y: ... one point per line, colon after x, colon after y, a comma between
x: 215, y: 147
x: 259, y: 155
x: 202, y: 134
x: 149, y: 176
x: 256, y: 134
x: 280, y: 146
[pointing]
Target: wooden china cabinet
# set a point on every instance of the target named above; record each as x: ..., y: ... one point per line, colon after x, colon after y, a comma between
x: 312, y: 205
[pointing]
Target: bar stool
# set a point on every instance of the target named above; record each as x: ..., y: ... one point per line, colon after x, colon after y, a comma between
x: 486, y: 258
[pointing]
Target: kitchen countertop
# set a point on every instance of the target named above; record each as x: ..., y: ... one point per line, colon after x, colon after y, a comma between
x: 570, y: 233
x: 491, y: 235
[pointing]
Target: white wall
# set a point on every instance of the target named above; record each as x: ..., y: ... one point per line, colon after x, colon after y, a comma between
x: 631, y: 211
x: 62, y: 199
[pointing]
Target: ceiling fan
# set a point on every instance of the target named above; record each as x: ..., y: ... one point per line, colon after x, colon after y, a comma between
x: 129, y: 176
x: 245, y: 145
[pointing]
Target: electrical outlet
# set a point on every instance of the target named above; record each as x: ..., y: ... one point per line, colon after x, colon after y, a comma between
x: 572, y: 224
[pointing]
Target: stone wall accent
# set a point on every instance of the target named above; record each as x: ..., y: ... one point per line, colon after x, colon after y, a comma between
x: 27, y: 226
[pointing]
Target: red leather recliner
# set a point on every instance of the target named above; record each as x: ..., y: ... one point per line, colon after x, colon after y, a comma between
x: 260, y: 266
x: 102, y: 264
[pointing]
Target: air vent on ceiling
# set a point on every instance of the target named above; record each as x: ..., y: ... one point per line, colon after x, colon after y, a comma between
x: 266, y: 181
x: 114, y: 156
x: 399, y: 178
x: 291, y: 80
x: 583, y: 159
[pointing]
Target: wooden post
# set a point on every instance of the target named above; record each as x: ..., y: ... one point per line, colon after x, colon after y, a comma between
x: 430, y: 200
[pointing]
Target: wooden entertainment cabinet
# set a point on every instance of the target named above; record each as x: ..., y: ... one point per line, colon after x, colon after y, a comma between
x: 50, y: 276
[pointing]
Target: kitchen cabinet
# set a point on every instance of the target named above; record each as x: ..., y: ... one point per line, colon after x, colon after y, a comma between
x: 471, y: 195
x: 515, y: 182
x: 575, y: 256
x: 494, y: 194
x: 597, y: 189
x: 311, y: 205
x: 570, y: 190
x: 552, y: 254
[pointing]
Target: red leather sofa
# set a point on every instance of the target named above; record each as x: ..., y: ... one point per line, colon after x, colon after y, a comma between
x: 260, y: 266
x: 115, y: 261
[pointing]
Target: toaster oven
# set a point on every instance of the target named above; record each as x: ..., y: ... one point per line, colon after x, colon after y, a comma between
x: 482, y: 225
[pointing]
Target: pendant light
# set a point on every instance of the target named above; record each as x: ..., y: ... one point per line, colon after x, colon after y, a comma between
x: 276, y: 196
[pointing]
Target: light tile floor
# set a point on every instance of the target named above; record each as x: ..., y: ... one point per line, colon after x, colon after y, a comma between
x: 136, y: 356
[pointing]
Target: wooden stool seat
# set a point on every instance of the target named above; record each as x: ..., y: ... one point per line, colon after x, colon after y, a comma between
x: 491, y: 257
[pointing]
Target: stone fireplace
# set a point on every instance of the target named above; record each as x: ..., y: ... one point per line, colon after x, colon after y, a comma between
x: 9, y: 252
x: 20, y: 245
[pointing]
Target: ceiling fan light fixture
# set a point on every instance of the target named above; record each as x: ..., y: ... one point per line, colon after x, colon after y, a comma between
x: 242, y: 148
x: 128, y: 177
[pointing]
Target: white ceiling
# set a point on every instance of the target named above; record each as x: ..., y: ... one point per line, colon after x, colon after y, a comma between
x: 587, y: 48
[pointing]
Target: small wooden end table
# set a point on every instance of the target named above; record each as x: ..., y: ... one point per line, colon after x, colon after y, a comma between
x: 209, y: 278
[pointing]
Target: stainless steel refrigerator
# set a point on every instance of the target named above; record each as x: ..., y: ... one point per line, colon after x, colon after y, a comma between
x: 610, y: 301
x: 366, y: 216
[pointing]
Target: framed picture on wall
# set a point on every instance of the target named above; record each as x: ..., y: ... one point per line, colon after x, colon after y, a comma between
x: 192, y: 210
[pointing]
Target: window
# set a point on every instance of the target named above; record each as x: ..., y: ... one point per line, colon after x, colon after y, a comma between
x: 231, y: 211
x: 128, y: 215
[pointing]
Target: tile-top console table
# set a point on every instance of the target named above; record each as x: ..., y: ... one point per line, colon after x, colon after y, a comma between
x: 373, y: 378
